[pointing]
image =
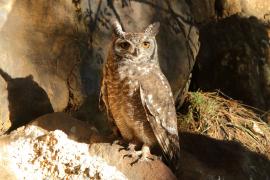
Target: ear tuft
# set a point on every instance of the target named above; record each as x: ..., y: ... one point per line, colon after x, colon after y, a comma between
x: 117, y: 29
x: 152, y: 29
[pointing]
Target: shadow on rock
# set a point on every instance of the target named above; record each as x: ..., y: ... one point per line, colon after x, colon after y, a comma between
x: 207, y: 158
x: 27, y: 100
x: 234, y: 57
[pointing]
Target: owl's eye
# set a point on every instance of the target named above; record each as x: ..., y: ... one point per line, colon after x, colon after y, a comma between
x: 146, y: 44
x: 124, y: 45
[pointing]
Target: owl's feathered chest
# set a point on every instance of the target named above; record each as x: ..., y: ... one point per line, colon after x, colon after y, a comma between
x: 125, y: 78
x: 123, y: 82
x: 133, y: 71
x: 123, y: 88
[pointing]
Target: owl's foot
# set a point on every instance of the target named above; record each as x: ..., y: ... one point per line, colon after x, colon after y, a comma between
x: 129, y: 147
x: 125, y: 145
x: 142, y: 156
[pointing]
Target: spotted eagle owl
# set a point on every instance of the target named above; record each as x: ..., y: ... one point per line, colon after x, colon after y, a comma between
x: 136, y: 93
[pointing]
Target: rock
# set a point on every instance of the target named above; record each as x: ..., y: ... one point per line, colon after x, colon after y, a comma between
x: 63, y: 44
x: 55, y: 146
x: 49, y: 147
x: 26, y: 100
x: 258, y: 8
x: 205, y: 11
x: 4, y: 110
x: 34, y: 47
x: 204, y: 157
x: 75, y: 129
x: 6, y: 172
x: 39, y: 154
x: 141, y: 170
x: 234, y: 57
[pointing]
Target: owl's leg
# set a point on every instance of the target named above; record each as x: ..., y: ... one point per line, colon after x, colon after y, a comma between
x: 129, y: 146
x: 145, y: 153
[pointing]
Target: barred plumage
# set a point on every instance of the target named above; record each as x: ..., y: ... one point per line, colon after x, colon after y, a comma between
x: 137, y: 95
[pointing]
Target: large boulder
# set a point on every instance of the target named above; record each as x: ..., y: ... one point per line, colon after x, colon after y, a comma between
x: 58, y: 146
x: 62, y: 45
x: 234, y: 53
x: 37, y: 54
x: 205, y: 11
x: 235, y: 58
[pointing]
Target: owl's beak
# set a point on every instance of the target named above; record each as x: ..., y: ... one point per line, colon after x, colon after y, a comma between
x: 136, y: 52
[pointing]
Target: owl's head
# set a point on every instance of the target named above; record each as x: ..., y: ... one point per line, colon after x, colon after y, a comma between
x: 136, y: 47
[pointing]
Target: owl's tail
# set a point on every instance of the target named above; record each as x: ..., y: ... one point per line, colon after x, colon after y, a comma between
x: 172, y: 153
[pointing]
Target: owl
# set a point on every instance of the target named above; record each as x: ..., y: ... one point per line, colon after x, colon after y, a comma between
x: 137, y: 95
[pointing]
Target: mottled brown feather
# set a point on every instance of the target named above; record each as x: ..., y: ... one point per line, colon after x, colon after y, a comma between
x: 137, y: 95
x: 161, y: 114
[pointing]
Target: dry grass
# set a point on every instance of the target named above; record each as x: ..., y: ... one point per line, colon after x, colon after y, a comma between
x: 225, y: 119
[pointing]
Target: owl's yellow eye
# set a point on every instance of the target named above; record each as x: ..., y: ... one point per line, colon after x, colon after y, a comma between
x: 146, y: 44
x: 124, y: 45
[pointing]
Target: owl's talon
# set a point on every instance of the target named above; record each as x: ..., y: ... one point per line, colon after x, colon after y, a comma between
x: 127, y: 155
x: 129, y: 147
x: 132, y: 154
x: 116, y: 142
x: 142, y: 156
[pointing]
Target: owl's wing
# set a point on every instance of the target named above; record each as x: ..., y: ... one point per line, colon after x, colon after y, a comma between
x: 103, y: 96
x: 158, y: 103
x: 103, y: 99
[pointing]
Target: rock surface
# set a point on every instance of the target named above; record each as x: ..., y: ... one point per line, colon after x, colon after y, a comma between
x: 234, y: 53
x: 236, y: 60
x: 205, y: 11
x: 42, y: 155
x: 141, y: 170
x: 64, y: 143
x: 50, y: 147
x: 63, y: 44
x: 35, y: 54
